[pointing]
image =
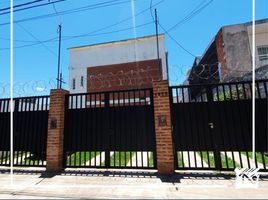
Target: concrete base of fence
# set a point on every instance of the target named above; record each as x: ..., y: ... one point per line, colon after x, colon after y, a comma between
x: 163, y: 131
x: 55, y: 130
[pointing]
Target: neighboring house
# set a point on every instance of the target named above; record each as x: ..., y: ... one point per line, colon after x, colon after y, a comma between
x: 117, y: 65
x: 228, y: 56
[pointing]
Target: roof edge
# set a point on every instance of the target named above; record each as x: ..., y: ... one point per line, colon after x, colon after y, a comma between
x: 116, y: 41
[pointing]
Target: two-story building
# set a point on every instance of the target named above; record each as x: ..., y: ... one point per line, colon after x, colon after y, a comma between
x: 228, y: 57
x: 117, y: 65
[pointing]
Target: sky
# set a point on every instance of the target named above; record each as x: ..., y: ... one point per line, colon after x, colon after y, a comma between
x: 36, y: 44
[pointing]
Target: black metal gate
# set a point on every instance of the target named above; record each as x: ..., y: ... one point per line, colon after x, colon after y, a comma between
x: 212, y: 126
x: 110, y: 130
x: 29, y: 131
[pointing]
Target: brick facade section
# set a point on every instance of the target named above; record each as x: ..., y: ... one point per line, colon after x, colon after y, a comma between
x: 220, y: 54
x: 164, y: 142
x: 124, y: 76
x: 55, y: 135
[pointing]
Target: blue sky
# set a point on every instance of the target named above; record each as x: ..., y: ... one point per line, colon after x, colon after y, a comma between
x: 36, y: 66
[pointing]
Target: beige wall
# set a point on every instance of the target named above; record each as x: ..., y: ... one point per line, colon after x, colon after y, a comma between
x: 261, y: 39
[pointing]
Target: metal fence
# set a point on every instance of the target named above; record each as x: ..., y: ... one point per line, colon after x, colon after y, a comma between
x: 30, y: 116
x: 212, y: 125
x: 110, y: 130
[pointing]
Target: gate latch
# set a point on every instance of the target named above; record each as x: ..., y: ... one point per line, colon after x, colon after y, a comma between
x: 211, y: 125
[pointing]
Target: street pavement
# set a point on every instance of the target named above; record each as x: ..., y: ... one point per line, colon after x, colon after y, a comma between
x: 85, y: 183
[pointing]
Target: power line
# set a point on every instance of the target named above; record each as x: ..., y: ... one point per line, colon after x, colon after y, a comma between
x: 193, y: 13
x: 24, y: 4
x: 39, y: 42
x: 77, y: 36
x: 170, y: 36
x: 92, y: 32
x: 176, y: 42
x: 54, y: 7
x: 30, y: 7
x: 97, y: 30
x: 70, y: 11
x: 110, y: 32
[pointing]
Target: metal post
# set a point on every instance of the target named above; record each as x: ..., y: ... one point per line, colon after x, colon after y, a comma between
x: 157, y: 41
x: 213, y: 133
x: 58, y: 75
x: 107, y: 127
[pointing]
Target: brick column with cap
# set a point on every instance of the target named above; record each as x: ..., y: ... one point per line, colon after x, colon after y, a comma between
x: 55, y: 130
x: 163, y: 130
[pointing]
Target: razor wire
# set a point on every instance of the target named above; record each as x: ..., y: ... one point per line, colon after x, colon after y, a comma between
x: 28, y: 88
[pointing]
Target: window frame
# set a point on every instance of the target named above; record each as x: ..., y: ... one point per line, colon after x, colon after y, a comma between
x: 262, y: 52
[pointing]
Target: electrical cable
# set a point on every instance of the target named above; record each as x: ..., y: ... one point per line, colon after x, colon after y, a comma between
x: 170, y: 36
x: 30, y: 7
x: 77, y: 36
x: 70, y: 11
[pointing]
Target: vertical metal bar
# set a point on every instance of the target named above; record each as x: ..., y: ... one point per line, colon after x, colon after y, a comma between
x: 237, y: 91
x: 120, y: 130
x: 136, y: 135
x: 89, y: 129
x: 84, y: 132
x: 6, y: 137
x: 250, y: 89
x: 35, y: 132
x: 107, y: 113
x: 28, y: 119
x: 6, y: 128
x: 191, y: 130
x: 80, y: 134
x: 15, y: 125
x: 71, y: 152
x: 226, y: 160
x: 244, y: 91
x: 249, y: 165
x: 202, y: 99
x: 263, y: 160
x: 131, y: 139
x: 256, y: 162
x: 75, y: 136
x: 125, y: 117
x: 209, y: 164
x: 182, y: 94
x: 177, y: 95
x: 265, y: 88
x: 224, y: 92
x: 258, y: 90
x: 23, y: 130
x: 217, y: 91
x: 1, y: 135
x: 96, y: 129
x: 230, y: 90
x: 41, y: 128
x: 182, y: 159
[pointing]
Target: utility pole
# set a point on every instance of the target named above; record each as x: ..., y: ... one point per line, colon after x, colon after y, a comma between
x: 59, y: 77
x: 157, y: 42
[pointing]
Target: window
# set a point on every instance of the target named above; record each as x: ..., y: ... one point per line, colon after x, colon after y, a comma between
x: 82, y: 81
x: 73, y: 83
x: 263, y: 53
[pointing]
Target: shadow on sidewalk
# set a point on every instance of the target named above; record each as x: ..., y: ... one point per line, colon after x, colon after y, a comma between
x: 175, y: 178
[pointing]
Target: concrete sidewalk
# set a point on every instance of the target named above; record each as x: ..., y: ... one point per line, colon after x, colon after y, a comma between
x: 123, y: 184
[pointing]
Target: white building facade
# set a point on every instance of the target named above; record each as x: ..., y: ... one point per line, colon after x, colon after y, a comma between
x: 108, y: 59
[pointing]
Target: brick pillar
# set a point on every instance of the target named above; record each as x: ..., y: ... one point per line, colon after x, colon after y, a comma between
x: 163, y: 131
x: 55, y: 130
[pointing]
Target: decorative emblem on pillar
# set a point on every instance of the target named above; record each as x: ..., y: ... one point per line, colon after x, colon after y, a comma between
x: 162, y: 120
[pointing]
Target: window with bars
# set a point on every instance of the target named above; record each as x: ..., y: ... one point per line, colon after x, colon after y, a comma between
x: 262, y: 52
